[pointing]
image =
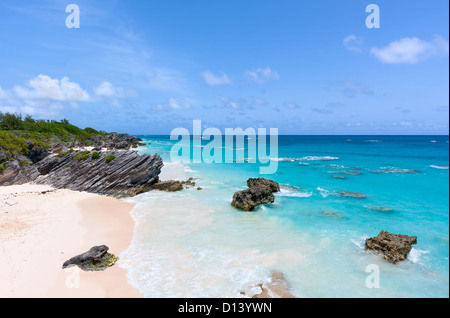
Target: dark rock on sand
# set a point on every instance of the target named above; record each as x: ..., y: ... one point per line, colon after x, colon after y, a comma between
x: 393, y: 247
x: 97, y: 258
x: 351, y: 194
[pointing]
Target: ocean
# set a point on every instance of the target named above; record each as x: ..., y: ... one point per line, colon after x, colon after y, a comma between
x: 194, y: 244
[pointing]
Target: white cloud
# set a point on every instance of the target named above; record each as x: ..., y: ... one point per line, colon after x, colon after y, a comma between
x: 411, y: 50
x: 45, y: 87
x: 106, y: 89
x: 213, y: 80
x: 261, y: 75
x: 174, y: 104
x: 353, y: 43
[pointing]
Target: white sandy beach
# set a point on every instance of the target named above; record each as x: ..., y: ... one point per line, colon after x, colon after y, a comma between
x: 41, y: 227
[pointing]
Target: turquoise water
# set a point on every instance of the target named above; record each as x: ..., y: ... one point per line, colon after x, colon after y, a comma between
x: 195, y: 244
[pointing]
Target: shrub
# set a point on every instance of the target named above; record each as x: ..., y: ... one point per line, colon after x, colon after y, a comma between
x: 95, y: 155
x: 3, y: 167
x: 110, y: 158
x: 81, y: 156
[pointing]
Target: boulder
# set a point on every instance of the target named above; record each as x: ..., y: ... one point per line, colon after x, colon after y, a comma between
x: 248, y: 199
x: 274, y: 186
x: 393, y: 247
x: 97, y: 258
x: 173, y: 185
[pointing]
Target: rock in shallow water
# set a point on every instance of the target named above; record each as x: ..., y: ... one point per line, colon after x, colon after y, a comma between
x: 351, y: 194
x: 393, y: 247
x: 248, y: 199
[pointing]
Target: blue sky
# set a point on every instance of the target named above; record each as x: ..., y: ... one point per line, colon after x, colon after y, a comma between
x: 304, y: 67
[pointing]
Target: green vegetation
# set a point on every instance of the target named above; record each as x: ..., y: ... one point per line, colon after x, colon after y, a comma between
x: 3, y: 167
x: 110, y: 158
x: 82, y: 156
x: 106, y: 261
x: 18, y: 134
x: 95, y: 155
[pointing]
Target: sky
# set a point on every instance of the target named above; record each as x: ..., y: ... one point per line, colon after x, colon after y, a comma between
x: 304, y: 67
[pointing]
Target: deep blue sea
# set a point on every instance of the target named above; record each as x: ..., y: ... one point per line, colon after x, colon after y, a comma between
x: 195, y: 244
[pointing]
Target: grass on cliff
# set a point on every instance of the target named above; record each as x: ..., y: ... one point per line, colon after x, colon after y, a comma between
x: 17, y: 131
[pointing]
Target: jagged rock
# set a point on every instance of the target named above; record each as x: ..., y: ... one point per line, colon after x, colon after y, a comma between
x: 393, y: 247
x: 248, y: 199
x: 97, y: 258
x: 351, y: 194
x: 275, y: 187
x: 127, y: 175
x: 121, y: 145
x: 36, y: 153
x: 58, y: 148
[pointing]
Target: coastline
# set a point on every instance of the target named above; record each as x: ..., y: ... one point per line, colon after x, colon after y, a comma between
x: 41, y: 227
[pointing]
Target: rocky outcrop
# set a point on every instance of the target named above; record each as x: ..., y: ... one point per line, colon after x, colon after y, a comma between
x: 114, y: 173
x: 277, y: 287
x: 274, y: 186
x: 97, y: 258
x: 173, y: 185
x: 393, y: 247
x: 260, y: 191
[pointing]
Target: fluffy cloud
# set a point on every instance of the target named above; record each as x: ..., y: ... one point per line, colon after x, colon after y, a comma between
x: 45, y: 87
x: 106, y: 89
x: 411, y: 50
x: 213, y: 80
x: 353, y: 43
x: 261, y: 75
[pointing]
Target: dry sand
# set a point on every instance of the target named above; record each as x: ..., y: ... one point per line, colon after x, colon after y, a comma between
x: 41, y: 227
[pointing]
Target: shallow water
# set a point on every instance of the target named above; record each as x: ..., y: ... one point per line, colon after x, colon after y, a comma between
x: 195, y: 244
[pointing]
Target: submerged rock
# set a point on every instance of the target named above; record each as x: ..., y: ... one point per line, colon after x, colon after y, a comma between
x: 351, y: 194
x: 278, y: 287
x: 96, y: 259
x: 333, y: 214
x: 380, y: 209
x: 393, y: 247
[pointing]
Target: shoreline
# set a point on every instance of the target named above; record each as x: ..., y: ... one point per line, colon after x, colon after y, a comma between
x: 41, y: 227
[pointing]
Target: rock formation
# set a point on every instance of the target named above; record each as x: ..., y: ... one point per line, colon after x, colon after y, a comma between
x: 114, y: 173
x: 393, y: 247
x: 173, y: 185
x: 97, y: 258
x: 260, y: 191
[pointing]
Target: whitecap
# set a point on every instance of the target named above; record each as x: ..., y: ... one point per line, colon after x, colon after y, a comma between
x: 415, y: 255
x: 318, y: 158
x: 439, y: 167
x: 292, y: 192
x: 324, y: 193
